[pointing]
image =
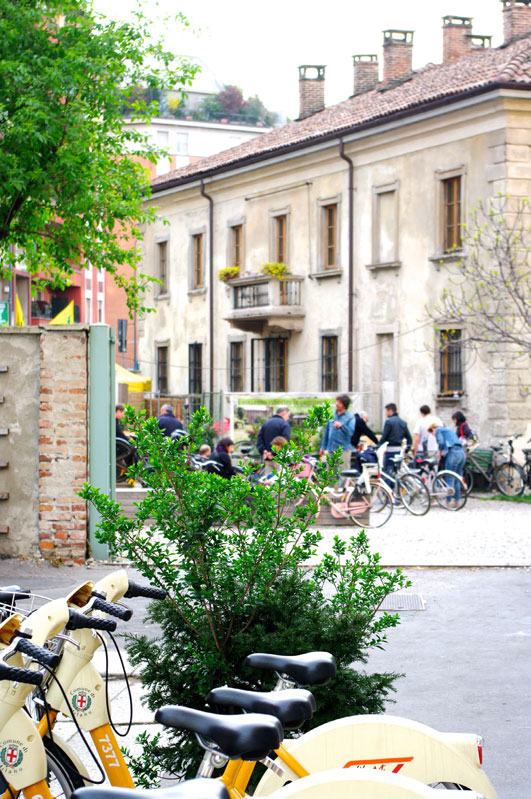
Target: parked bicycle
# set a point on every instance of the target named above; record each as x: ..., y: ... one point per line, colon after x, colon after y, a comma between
x: 508, y: 476
x: 447, y: 488
x: 409, y: 489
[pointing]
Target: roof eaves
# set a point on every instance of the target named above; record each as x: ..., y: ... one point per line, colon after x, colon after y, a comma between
x: 340, y: 132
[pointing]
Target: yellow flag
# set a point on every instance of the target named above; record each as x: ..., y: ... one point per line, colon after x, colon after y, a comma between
x: 19, y: 316
x: 66, y: 316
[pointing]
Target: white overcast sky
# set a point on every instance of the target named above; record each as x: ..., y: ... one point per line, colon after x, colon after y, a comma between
x: 258, y: 46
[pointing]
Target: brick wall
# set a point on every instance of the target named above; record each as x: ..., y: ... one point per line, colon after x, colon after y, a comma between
x: 311, y: 90
x: 63, y: 444
x: 365, y: 73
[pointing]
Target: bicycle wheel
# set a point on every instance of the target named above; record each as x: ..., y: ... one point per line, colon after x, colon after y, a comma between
x: 372, y: 509
x: 63, y: 777
x: 510, y: 479
x: 413, y: 494
x: 444, y: 490
x: 468, y: 477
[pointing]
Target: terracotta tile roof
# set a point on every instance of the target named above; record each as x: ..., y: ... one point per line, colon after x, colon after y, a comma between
x: 507, y: 64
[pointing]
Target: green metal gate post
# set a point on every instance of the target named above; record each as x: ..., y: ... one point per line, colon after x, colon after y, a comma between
x: 102, y: 445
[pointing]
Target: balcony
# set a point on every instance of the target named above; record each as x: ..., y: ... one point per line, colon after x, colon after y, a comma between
x: 263, y: 304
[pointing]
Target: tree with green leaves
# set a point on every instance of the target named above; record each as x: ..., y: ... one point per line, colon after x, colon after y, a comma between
x: 488, y: 293
x: 230, y: 554
x: 72, y: 185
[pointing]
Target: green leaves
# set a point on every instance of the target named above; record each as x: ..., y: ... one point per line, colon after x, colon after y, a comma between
x: 70, y: 190
x: 231, y: 553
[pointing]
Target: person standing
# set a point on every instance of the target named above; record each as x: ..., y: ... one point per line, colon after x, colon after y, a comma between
x: 425, y: 443
x: 453, y: 453
x: 394, y: 432
x: 339, y: 430
x: 277, y: 425
x: 361, y: 428
x: 167, y: 422
x: 119, y: 414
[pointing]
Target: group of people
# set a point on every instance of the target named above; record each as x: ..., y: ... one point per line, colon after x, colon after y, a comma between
x: 431, y: 438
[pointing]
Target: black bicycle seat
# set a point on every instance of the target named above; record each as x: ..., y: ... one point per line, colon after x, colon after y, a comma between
x: 312, y: 668
x: 10, y: 593
x: 249, y: 736
x: 350, y: 473
x: 291, y: 708
x: 192, y: 789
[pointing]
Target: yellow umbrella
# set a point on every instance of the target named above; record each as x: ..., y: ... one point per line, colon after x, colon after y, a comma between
x: 135, y: 382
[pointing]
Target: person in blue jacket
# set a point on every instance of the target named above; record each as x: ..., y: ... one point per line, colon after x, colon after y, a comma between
x: 453, y: 452
x: 339, y: 430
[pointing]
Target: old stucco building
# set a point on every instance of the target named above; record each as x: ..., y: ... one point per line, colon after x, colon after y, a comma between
x: 364, y: 203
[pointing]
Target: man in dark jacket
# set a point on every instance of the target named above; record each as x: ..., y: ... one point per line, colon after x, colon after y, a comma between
x: 278, y: 425
x: 394, y: 432
x: 361, y: 428
x: 167, y: 421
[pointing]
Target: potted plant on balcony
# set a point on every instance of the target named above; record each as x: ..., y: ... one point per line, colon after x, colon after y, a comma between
x: 275, y: 270
x: 228, y: 273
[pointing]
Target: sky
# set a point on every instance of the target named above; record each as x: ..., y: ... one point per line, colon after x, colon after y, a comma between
x: 259, y: 46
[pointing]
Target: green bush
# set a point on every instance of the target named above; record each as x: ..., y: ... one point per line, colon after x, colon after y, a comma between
x: 229, y: 554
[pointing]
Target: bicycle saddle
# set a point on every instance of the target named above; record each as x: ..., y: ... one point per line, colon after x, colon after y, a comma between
x: 192, y: 789
x: 291, y: 707
x: 10, y: 593
x: 248, y: 736
x: 312, y: 668
x: 350, y: 473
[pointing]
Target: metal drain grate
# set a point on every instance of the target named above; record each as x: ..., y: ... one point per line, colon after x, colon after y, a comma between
x: 404, y: 602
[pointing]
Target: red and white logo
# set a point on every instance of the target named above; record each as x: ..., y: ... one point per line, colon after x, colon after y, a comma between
x: 393, y: 764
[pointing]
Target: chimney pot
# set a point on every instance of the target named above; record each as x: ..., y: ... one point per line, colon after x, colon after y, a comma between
x: 365, y: 73
x: 516, y: 19
x: 398, y: 53
x: 311, y: 89
x: 456, y: 41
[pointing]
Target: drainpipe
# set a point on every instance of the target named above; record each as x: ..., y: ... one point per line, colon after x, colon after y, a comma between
x: 350, y: 260
x: 211, y: 279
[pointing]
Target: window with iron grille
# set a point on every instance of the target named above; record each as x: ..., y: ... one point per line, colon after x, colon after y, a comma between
x: 162, y: 369
x: 195, y: 385
x: 450, y: 361
x: 330, y: 236
x: 269, y: 364
x: 236, y: 366
x: 162, y: 248
x: 237, y: 245
x: 329, y: 363
x: 452, y: 213
x: 197, y: 263
x: 253, y: 296
x: 281, y: 227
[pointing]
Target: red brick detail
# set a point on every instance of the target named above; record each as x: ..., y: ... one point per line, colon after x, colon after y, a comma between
x: 456, y: 38
x: 516, y: 19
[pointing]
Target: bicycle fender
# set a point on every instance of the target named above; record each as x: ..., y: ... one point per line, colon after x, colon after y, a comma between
x: 86, y: 699
x: 22, y: 753
x: 389, y: 744
x: 113, y: 585
x: 343, y: 784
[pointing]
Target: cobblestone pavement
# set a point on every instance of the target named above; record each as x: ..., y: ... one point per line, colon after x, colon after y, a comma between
x: 483, y: 533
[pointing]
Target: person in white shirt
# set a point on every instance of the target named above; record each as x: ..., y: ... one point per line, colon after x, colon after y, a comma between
x: 425, y: 443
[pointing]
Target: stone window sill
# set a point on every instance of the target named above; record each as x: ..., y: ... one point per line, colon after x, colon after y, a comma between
x: 457, y: 397
x: 164, y: 296
x: 386, y: 265
x: 323, y: 274
x: 196, y: 292
x: 447, y: 258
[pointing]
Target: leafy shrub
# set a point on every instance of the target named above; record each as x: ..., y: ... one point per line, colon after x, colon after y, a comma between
x: 229, y: 553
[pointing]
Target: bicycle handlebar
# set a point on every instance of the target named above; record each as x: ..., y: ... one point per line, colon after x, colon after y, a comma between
x: 109, y: 607
x: 148, y: 591
x: 79, y: 621
x: 38, y: 653
x: 20, y: 675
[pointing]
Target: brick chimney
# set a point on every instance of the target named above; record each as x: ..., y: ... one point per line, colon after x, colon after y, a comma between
x: 365, y: 73
x: 311, y: 89
x: 398, y: 53
x: 516, y: 19
x: 456, y: 38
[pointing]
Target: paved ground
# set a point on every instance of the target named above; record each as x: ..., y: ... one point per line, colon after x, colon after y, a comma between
x: 465, y: 657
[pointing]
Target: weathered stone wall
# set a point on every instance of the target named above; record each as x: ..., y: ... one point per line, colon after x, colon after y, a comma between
x: 45, y: 411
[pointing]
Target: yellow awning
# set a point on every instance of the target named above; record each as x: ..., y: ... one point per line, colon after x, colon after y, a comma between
x: 135, y: 382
